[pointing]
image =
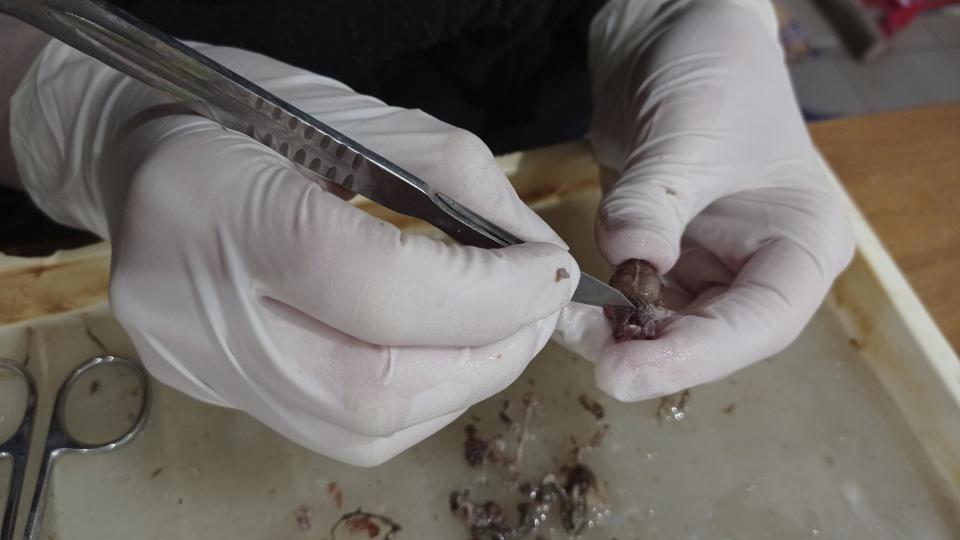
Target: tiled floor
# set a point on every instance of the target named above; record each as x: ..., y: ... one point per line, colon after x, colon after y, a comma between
x: 922, y: 67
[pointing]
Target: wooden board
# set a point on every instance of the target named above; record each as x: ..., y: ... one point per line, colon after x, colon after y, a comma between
x: 903, y: 171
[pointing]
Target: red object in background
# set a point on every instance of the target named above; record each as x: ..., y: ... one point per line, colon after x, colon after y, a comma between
x: 897, y: 14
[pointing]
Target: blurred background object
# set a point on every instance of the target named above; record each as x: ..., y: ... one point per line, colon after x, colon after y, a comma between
x: 919, y: 63
x: 859, y: 29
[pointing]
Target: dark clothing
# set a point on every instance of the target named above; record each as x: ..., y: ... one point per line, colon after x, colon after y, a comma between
x: 511, y: 71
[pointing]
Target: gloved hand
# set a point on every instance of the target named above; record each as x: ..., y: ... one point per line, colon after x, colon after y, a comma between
x: 710, y: 175
x: 244, y: 284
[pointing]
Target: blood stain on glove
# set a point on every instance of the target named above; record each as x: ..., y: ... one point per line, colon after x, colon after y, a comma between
x: 639, y: 281
x: 359, y: 522
x: 561, y: 275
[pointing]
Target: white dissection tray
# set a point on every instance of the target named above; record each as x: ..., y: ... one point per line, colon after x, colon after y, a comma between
x: 852, y: 432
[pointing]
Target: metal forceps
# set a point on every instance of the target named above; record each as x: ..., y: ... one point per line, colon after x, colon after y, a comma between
x: 59, y: 439
x: 129, y: 45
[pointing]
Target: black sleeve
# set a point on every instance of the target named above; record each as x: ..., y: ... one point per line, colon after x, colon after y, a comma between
x: 511, y: 71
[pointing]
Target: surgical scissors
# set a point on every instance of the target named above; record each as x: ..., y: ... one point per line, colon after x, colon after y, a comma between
x: 59, y: 439
x: 205, y: 87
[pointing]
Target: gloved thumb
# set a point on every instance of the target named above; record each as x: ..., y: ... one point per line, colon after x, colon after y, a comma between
x: 677, y: 116
x: 643, y: 214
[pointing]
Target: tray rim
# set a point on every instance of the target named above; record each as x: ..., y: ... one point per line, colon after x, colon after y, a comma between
x: 571, y: 169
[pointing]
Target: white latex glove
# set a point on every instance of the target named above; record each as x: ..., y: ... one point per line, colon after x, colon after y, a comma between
x: 710, y: 175
x: 243, y: 284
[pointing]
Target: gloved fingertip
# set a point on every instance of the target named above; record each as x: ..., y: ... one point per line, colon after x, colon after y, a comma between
x: 620, y: 240
x: 638, y: 371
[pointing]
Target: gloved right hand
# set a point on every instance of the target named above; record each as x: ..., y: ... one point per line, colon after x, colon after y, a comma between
x: 244, y: 284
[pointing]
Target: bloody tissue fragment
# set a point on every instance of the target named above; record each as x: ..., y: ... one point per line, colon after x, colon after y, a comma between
x: 475, y: 448
x: 639, y: 281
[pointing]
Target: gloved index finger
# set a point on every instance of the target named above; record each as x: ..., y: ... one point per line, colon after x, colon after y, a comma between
x: 371, y: 280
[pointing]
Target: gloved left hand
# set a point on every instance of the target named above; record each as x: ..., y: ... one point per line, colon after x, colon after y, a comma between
x: 709, y: 174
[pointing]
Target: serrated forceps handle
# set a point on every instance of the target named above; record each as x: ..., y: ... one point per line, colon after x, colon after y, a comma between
x: 131, y: 46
